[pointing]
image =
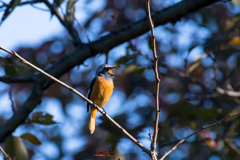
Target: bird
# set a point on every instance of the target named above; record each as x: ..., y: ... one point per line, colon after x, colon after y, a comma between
x: 100, y: 91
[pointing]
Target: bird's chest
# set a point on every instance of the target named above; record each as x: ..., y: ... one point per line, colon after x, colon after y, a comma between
x: 102, y: 91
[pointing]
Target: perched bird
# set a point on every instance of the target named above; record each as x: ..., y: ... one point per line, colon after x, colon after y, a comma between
x: 101, y: 89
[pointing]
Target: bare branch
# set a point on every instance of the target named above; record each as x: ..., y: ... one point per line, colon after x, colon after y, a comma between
x: 8, y: 157
x: 199, y: 130
x: 157, y: 81
x: 82, y: 96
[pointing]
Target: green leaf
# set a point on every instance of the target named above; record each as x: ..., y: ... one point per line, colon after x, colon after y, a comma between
x: 139, y: 71
x: 10, y: 67
x: 42, y: 118
x: 70, y: 10
x: 16, y: 148
x: 237, y: 2
x: 10, y: 9
x: 126, y: 59
x: 130, y: 68
x: 31, y: 138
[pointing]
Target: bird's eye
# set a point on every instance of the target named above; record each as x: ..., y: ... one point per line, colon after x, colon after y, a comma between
x: 106, y: 69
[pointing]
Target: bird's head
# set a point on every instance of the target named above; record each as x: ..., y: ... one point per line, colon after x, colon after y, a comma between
x: 105, y: 71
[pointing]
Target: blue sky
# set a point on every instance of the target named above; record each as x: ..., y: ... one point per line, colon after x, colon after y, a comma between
x: 28, y: 26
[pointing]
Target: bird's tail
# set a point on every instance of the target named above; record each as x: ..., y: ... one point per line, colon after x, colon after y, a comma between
x: 92, y: 120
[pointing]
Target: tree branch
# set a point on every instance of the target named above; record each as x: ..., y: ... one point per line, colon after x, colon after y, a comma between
x: 154, y: 153
x: 17, y: 79
x: 82, y: 96
x: 227, y: 92
x: 199, y: 130
x: 84, y: 51
x: 8, y: 157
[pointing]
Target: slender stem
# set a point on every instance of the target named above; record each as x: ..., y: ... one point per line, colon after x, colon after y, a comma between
x: 5, y: 153
x: 157, y: 79
x: 137, y: 142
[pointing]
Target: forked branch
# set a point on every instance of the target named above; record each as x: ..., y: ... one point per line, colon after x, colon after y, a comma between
x: 199, y: 130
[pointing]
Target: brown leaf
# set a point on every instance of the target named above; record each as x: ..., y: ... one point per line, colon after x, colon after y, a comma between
x: 106, y: 154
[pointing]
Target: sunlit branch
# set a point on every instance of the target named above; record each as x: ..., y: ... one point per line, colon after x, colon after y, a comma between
x: 199, y: 130
x: 82, y: 96
x: 8, y: 157
x: 157, y: 81
x: 227, y: 92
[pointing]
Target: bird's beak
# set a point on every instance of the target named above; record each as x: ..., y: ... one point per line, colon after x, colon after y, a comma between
x: 111, y: 69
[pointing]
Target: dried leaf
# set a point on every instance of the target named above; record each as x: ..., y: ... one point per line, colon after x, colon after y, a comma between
x: 106, y: 154
x: 31, y: 138
x: 235, y: 41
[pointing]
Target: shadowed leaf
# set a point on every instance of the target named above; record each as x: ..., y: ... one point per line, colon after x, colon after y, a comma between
x: 10, y: 68
x: 42, y: 118
x: 31, y: 138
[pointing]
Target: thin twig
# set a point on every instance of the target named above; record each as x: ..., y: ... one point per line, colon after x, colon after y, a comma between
x: 21, y: 4
x: 199, y: 130
x: 72, y: 31
x: 5, y: 153
x: 83, y: 29
x: 157, y: 79
x: 83, y: 97
x: 11, y: 98
x: 232, y: 145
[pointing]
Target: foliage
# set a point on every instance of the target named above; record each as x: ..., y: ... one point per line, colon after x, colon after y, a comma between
x: 197, y: 54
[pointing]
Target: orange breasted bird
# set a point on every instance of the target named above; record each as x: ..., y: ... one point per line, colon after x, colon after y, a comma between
x: 101, y: 89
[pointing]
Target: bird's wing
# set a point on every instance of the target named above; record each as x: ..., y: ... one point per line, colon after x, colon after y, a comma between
x: 90, y: 91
